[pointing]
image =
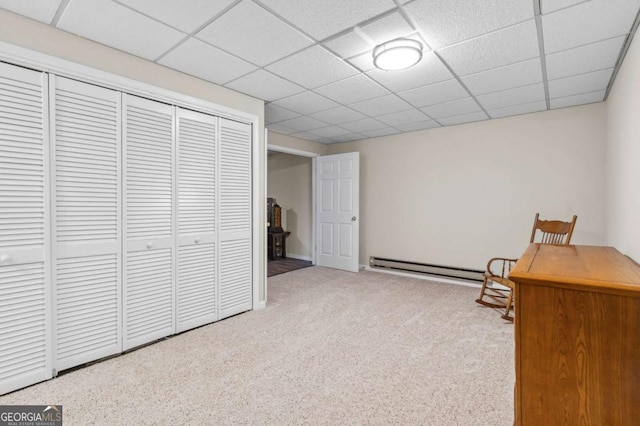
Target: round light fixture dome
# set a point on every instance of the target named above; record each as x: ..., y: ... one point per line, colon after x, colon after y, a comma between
x: 397, y: 54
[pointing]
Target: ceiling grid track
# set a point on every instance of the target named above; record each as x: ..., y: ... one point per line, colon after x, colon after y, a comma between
x: 623, y: 54
x: 543, y: 59
x: 60, y: 12
x: 415, y: 26
x: 196, y: 31
x: 311, y: 62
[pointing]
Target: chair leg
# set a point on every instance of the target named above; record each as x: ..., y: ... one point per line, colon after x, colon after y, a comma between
x: 484, y: 287
x: 508, y: 307
x: 495, y: 296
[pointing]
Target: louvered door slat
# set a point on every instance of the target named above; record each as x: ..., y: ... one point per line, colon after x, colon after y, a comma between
x: 197, y: 286
x: 86, y: 140
x: 148, y: 297
x: 235, y: 261
x: 24, y: 294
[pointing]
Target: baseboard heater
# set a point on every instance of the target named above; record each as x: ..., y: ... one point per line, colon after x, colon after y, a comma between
x: 427, y: 269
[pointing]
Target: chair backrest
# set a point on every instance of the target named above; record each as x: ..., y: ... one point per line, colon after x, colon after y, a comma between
x: 553, y: 231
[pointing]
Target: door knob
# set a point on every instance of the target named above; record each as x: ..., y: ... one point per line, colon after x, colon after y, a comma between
x: 353, y: 219
x: 149, y: 245
x: 197, y: 240
x: 4, y: 258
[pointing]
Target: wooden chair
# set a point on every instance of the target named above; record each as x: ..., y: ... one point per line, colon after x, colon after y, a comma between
x: 497, y: 287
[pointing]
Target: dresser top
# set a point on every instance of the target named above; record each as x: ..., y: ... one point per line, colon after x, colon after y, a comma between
x: 597, y: 268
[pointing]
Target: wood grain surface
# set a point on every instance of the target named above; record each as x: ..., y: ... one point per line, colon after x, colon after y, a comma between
x: 577, y: 349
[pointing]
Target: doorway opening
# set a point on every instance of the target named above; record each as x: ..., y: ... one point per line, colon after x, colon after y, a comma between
x: 290, y: 210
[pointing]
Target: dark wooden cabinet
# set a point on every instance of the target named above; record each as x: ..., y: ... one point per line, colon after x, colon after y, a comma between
x: 277, y: 244
x: 577, y: 316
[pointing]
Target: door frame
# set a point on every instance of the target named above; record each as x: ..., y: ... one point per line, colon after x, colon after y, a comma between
x: 300, y: 153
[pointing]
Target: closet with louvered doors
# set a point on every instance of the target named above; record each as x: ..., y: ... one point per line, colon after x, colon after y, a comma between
x: 25, y: 306
x: 197, y: 209
x: 235, y: 258
x: 123, y: 220
x: 148, y: 181
x: 86, y: 221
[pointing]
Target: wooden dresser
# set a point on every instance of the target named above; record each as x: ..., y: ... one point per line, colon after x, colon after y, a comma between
x: 577, y: 331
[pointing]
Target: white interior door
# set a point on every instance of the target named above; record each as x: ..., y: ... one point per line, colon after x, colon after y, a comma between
x: 338, y: 211
x: 25, y: 324
x: 85, y: 129
x: 148, y: 221
x: 197, y: 245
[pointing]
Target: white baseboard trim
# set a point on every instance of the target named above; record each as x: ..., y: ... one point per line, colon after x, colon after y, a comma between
x: 298, y: 257
x: 261, y: 305
x: 423, y: 277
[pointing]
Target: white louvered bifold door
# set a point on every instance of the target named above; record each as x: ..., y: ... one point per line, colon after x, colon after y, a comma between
x: 149, y: 254
x: 235, y: 270
x: 25, y: 346
x: 85, y: 138
x: 197, y: 289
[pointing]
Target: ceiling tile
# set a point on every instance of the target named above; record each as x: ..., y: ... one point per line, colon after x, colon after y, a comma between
x: 313, y: 67
x: 504, y: 47
x: 338, y: 115
x: 403, y: 117
x: 279, y: 128
x: 507, y: 77
x: 465, y: 118
x: 321, y: 19
x: 264, y: 37
x: 353, y: 89
x: 329, y: 132
x: 40, y: 10
x: 444, y: 23
x: 348, y: 138
x: 349, y: 44
x: 519, y: 95
x: 448, y: 109
x: 583, y: 83
x: 381, y: 132
x: 186, y: 18
x: 592, y: 57
x: 435, y: 93
x: 274, y: 113
x: 430, y: 70
x: 306, y: 103
x: 518, y: 109
x: 264, y: 85
x: 421, y: 125
x: 585, y: 98
x: 309, y: 136
x: 363, y: 125
x: 363, y: 62
x: 387, y: 28
x: 588, y: 22
x: 303, y: 123
x: 382, y: 105
x: 201, y: 60
x: 96, y: 20
x: 548, y: 6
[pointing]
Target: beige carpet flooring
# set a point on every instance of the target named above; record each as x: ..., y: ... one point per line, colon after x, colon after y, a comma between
x: 332, y: 348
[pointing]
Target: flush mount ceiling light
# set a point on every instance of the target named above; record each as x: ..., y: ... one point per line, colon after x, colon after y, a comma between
x: 397, y: 54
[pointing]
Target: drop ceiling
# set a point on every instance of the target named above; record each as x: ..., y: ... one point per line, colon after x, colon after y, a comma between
x: 311, y: 62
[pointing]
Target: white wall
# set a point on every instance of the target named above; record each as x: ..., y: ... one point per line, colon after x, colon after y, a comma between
x: 24, y: 32
x: 289, y: 182
x: 623, y: 157
x: 459, y: 195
